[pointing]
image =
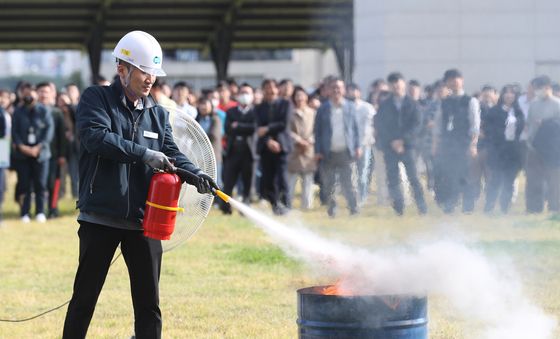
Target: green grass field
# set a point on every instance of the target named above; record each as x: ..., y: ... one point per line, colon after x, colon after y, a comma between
x: 230, y: 281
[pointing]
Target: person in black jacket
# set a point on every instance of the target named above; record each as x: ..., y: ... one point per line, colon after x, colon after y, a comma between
x: 124, y: 135
x: 274, y: 144
x: 455, y: 141
x: 397, y: 124
x: 502, y: 126
x: 238, y: 154
x: 32, y: 132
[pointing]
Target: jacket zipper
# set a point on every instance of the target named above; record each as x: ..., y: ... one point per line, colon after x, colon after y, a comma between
x: 134, y: 128
x: 94, y: 175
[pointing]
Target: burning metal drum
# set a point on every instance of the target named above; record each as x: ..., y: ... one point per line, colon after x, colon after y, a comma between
x: 323, y: 315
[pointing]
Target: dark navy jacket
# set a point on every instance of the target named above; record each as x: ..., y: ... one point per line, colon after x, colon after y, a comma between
x: 324, y: 130
x: 503, y: 153
x: 456, y: 127
x: 393, y: 124
x: 38, y: 118
x: 276, y: 115
x: 113, y: 179
x: 243, y: 132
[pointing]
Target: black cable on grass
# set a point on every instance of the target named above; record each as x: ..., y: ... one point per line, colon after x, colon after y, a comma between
x: 35, y: 316
x: 50, y: 310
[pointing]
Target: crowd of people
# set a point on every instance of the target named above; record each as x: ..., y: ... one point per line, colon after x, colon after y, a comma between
x: 437, y: 139
x: 38, y: 121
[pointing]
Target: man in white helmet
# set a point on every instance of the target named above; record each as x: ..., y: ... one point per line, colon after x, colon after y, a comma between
x: 124, y: 134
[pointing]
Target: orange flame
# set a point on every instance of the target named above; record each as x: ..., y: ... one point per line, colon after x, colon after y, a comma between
x: 336, y: 289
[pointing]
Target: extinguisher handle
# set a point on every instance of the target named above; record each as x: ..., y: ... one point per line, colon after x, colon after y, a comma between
x: 183, y: 173
x: 196, y: 180
x: 215, y: 192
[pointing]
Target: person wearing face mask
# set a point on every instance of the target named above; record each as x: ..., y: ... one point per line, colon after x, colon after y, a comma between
x: 32, y: 133
x: 124, y: 135
x: 543, y: 170
x: 503, y: 125
x: 238, y: 152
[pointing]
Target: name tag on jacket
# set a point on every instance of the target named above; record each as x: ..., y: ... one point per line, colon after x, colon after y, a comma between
x: 150, y: 135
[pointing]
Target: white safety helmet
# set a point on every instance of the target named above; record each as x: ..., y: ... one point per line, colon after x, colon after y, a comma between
x: 141, y: 50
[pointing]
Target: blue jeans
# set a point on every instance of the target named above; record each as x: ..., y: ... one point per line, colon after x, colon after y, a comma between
x: 364, y: 173
x: 32, y: 173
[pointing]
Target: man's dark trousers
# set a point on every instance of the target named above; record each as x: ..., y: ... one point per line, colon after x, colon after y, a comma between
x: 454, y: 179
x: 54, y: 173
x: 143, y: 260
x: 392, y: 160
x: 238, y: 164
x: 543, y: 184
x: 274, y: 180
x: 32, y: 177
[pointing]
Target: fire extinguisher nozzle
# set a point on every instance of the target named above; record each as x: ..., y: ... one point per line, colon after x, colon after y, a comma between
x: 222, y: 195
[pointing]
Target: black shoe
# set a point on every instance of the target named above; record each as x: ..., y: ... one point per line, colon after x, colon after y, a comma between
x: 53, y: 213
x: 354, y: 211
x: 399, y: 209
x: 279, y: 210
x: 448, y: 209
x: 331, y: 211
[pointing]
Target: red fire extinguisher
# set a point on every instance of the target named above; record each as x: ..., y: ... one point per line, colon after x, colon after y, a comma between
x: 161, y: 206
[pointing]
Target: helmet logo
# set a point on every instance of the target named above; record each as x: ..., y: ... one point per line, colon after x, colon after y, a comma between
x: 157, y: 60
x: 125, y: 51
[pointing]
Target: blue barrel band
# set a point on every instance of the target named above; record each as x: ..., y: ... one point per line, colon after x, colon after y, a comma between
x: 357, y: 325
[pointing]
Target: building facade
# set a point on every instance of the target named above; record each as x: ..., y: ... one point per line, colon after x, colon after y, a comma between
x: 491, y: 42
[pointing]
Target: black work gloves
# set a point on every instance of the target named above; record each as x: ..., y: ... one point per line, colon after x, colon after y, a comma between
x: 208, y: 184
x: 202, y: 181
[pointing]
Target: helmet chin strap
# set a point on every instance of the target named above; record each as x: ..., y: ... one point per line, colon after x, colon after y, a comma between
x: 130, y: 94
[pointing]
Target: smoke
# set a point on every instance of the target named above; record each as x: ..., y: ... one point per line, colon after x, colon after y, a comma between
x: 477, y: 290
